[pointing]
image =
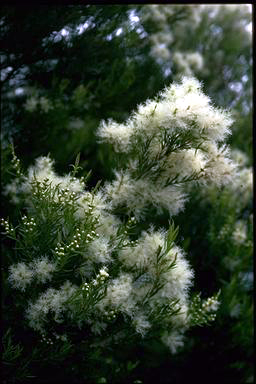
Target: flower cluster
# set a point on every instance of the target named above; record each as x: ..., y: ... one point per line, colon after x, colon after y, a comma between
x: 16, y: 164
x: 102, y: 270
x: 171, y: 142
x: 161, y: 13
x: 21, y: 274
x: 29, y: 224
x: 203, y: 311
x: 40, y: 176
x: 7, y: 227
x: 34, y: 102
x: 188, y: 63
x: 52, y: 301
x: 240, y: 232
x: 162, y: 40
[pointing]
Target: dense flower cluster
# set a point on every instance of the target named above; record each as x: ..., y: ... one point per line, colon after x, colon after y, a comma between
x: 86, y: 266
x: 162, y: 41
x: 188, y: 63
x: 171, y: 141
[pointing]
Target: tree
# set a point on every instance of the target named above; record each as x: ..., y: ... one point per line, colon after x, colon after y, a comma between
x: 66, y: 71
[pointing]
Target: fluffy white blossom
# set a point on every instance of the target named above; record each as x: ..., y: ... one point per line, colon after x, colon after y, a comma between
x: 173, y: 340
x: 43, y: 269
x: 163, y: 37
x: 178, y: 279
x: 185, y: 162
x: 141, y: 324
x: 181, y: 318
x: 42, y: 172
x: 188, y: 63
x: 181, y: 109
x: 93, y: 203
x: 108, y: 225
x: 239, y: 235
x: 239, y: 157
x: 99, y: 250
x: 136, y: 195
x: 20, y: 276
x: 34, y: 102
x: 181, y: 106
x: 12, y: 190
x: 160, y: 51
x: 51, y: 301
x: 144, y: 253
x: 216, y: 124
x: 219, y: 169
x: 210, y: 305
x: 31, y: 104
x: 149, y: 270
x: 117, y: 134
x: 242, y: 185
x: 119, y: 294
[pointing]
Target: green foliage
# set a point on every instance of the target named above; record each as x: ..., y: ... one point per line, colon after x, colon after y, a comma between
x: 65, y: 69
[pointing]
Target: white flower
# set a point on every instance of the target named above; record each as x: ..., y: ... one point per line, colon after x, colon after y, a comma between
x: 93, y: 203
x: 178, y: 279
x: 188, y: 63
x: 180, y: 107
x: 103, y: 273
x: 163, y: 37
x: 141, y: 323
x: 185, y: 163
x: 108, y: 225
x: 173, y: 340
x: 242, y: 185
x: 43, y: 269
x: 219, y: 169
x: 52, y: 300
x: 119, y: 294
x: 43, y: 163
x: 210, y: 305
x: 31, y: 104
x: 13, y: 189
x: 43, y: 171
x: 45, y: 104
x: 216, y: 123
x: 136, y: 195
x: 240, y: 232
x: 117, y: 134
x: 188, y: 85
x: 144, y: 253
x: 160, y: 51
x: 20, y: 276
x: 239, y: 157
x: 195, y: 59
x: 181, y: 319
x: 99, y: 250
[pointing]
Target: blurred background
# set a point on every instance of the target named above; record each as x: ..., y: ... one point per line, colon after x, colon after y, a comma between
x: 65, y: 68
